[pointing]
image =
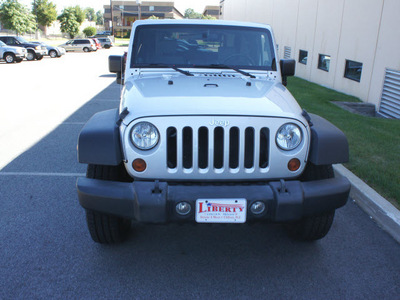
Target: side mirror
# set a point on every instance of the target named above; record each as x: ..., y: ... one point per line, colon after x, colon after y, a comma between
x: 116, y: 64
x: 288, y: 67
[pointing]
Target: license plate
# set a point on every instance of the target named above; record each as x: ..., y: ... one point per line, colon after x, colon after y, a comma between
x: 231, y: 210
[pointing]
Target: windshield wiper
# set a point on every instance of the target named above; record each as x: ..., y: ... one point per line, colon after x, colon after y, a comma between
x: 222, y: 66
x: 187, y: 73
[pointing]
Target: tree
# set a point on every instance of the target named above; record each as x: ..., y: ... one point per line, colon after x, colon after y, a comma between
x: 45, y: 13
x: 90, y: 14
x: 191, y: 14
x: 79, y: 14
x: 15, y: 16
x: 153, y: 17
x: 68, y: 22
x: 89, y: 31
x: 100, y: 18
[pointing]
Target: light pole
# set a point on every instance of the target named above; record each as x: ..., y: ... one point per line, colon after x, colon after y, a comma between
x: 138, y: 2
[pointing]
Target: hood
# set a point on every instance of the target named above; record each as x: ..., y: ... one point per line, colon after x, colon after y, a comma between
x: 22, y: 49
x: 207, y: 94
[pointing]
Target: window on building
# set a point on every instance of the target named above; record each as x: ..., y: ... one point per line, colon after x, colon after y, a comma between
x: 287, y: 52
x: 303, y: 57
x: 324, y: 62
x: 353, y: 70
x: 151, y: 8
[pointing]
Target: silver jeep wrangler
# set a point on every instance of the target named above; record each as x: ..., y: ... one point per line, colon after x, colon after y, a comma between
x: 206, y: 132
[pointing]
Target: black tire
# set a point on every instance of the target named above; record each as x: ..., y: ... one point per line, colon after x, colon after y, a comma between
x: 86, y: 49
x: 31, y: 55
x: 53, y: 53
x: 18, y: 60
x: 104, y: 228
x: 315, y: 227
x: 39, y: 57
x: 9, y: 58
x: 107, y: 46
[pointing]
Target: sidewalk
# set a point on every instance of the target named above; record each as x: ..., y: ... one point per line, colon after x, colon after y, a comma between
x: 378, y: 208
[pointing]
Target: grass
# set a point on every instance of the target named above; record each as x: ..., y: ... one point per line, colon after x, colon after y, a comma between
x: 374, y: 142
x: 121, y: 42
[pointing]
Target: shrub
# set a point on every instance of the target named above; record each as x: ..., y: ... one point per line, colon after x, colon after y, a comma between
x: 89, y: 31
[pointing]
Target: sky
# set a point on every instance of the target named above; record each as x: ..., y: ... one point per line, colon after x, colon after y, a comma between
x: 181, y: 5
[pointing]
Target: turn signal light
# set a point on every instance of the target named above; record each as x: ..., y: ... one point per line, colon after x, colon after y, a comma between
x: 293, y: 164
x: 139, y: 165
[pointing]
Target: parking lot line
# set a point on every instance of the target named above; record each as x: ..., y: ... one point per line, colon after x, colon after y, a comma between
x: 41, y: 174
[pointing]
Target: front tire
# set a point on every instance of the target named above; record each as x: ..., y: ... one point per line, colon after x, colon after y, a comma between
x: 315, y: 227
x: 31, y: 55
x: 9, y: 58
x: 53, y: 53
x: 39, y: 57
x: 104, y: 228
x: 86, y: 49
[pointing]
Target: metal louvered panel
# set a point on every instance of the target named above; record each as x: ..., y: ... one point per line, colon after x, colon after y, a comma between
x: 390, y: 100
x: 287, y: 52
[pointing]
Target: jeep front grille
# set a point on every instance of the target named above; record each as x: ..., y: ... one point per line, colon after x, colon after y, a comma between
x: 217, y: 148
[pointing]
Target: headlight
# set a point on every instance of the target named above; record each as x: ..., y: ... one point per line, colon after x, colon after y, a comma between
x: 38, y: 47
x: 144, y: 135
x: 288, y: 136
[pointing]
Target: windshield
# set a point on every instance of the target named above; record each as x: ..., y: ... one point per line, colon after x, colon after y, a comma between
x: 202, y: 46
x: 21, y: 40
x: 2, y: 44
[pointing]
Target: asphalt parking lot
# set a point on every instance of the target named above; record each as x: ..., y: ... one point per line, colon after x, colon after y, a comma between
x: 46, y: 251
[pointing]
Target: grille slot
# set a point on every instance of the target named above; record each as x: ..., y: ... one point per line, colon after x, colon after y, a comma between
x: 219, y: 148
x: 203, y: 147
x: 264, y: 144
x: 234, y: 148
x: 171, y: 148
x: 249, y: 148
x: 187, y: 146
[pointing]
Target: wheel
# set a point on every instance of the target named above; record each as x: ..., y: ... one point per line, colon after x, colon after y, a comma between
x: 18, y: 60
x: 106, y: 46
x: 86, y: 49
x: 39, y: 57
x: 315, y: 227
x: 238, y: 59
x: 53, y: 53
x: 9, y: 58
x: 31, y: 55
x: 104, y: 228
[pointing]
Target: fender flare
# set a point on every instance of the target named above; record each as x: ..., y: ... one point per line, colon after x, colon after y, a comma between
x: 328, y: 144
x: 99, y: 140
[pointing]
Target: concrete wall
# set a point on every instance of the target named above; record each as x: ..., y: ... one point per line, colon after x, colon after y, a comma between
x: 365, y: 31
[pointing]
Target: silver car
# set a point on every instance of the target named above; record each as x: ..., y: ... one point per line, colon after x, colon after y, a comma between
x: 85, y: 45
x: 12, y: 54
x: 105, y: 42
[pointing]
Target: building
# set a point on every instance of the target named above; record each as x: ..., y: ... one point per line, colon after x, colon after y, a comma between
x: 349, y: 45
x: 212, y: 11
x: 124, y: 13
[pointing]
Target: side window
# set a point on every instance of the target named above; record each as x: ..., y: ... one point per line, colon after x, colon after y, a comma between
x: 11, y: 41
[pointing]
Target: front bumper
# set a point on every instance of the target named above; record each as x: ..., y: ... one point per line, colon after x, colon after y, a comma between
x: 20, y: 55
x: 41, y: 52
x: 154, y: 202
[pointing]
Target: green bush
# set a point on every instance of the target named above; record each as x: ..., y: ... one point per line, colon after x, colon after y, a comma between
x: 89, y: 31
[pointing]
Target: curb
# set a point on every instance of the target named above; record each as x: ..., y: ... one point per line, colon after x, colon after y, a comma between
x: 378, y: 208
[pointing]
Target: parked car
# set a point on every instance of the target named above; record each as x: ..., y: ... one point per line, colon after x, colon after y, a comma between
x: 85, y: 45
x: 206, y: 132
x: 34, y: 51
x: 103, y: 33
x: 12, y: 54
x: 51, y: 50
x: 105, y: 42
x: 97, y: 43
